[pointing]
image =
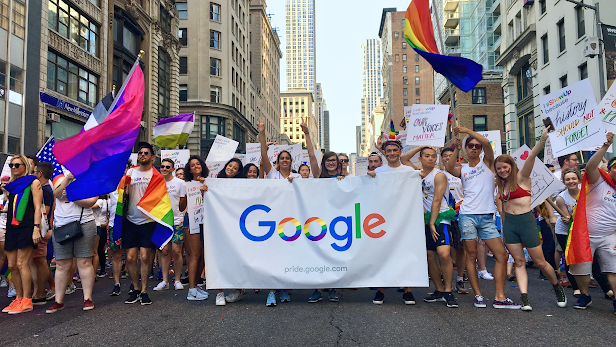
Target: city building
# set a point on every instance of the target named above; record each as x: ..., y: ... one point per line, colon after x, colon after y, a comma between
x: 319, y: 108
x: 407, y: 78
x: 297, y: 107
x: 358, y: 140
x: 352, y: 162
x: 371, y: 87
x: 377, y: 124
x: 215, y: 39
x: 301, y: 50
x: 326, y: 144
x: 264, y: 57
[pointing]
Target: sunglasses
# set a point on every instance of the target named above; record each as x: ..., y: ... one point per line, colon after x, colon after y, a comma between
x: 344, y: 160
x: 474, y: 146
x: 16, y: 165
x: 165, y: 167
x: 143, y: 153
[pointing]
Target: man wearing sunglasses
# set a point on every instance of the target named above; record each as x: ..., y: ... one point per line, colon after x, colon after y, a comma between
x: 177, y: 193
x: 477, y: 212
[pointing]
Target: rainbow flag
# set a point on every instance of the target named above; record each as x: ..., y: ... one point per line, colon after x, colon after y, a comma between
x: 463, y: 73
x: 97, y: 157
x: 578, y: 243
x: 5, y: 271
x: 21, y: 187
x: 155, y: 203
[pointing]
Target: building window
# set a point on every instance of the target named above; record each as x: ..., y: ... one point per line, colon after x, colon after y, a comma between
x: 16, y: 82
x: 215, y: 93
x: 523, y: 82
x: 416, y: 80
x: 417, y: 91
x: 183, y: 65
x: 542, y: 8
x: 405, y: 80
x: 403, y: 57
x: 182, y: 8
x: 480, y: 123
x: 404, y: 45
x: 212, y: 126
x: 214, y: 12
x: 583, y: 71
x: 544, y: 45
x: 19, y: 18
x: 403, y: 68
x: 395, y: 34
x: 183, y: 92
x: 479, y: 95
x: 165, y: 20
x: 561, y: 35
x: 164, y: 82
x: 71, y: 80
x: 526, y: 127
x: 4, y: 24
x: 579, y: 18
x: 239, y: 135
x: 215, y: 67
x: 405, y: 92
x: 403, y: 22
x: 546, y: 90
x: 183, y: 36
x: 563, y: 81
x: 416, y: 56
x: 214, y: 39
x: 406, y: 102
x: 70, y: 23
x: 417, y: 101
x: 397, y: 57
x: 417, y: 68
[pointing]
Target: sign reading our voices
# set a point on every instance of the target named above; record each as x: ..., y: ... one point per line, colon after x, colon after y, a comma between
x: 427, y: 125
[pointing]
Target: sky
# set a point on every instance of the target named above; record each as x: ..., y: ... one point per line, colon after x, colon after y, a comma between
x: 341, y: 27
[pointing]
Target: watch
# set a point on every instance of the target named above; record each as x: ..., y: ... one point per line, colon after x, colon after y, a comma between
x: 37, y: 225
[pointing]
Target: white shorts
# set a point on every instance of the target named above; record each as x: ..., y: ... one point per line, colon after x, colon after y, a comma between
x: 604, y: 249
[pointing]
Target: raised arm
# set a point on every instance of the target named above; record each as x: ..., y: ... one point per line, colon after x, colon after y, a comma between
x: 561, y: 208
x: 488, y: 152
x: 527, y: 169
x: 405, y: 159
x: 61, y: 184
x: 314, y: 165
x: 265, y: 163
x: 451, y: 164
x: 592, y: 167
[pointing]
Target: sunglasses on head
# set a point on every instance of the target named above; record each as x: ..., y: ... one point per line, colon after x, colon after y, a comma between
x: 16, y: 165
x: 474, y: 145
x: 344, y: 160
x: 165, y: 166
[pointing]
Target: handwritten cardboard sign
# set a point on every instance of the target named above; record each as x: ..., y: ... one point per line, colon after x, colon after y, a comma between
x: 194, y: 206
x: 427, y: 125
x: 606, y: 109
x: 543, y: 182
x: 179, y: 156
x: 361, y: 166
x: 253, y: 154
x: 222, y: 149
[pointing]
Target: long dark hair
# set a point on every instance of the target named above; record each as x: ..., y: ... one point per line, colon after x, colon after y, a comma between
x: 287, y: 152
x: 247, y: 168
x: 240, y: 170
x: 188, y: 176
x: 324, y: 173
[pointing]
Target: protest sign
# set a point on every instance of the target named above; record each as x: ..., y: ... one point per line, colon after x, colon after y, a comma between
x: 253, y: 154
x: 543, y: 182
x: 548, y: 155
x: 495, y: 141
x: 361, y: 166
x: 215, y: 168
x: 6, y: 171
x: 427, y: 125
x: 179, y: 156
x: 577, y: 125
x: 133, y: 159
x: 222, y: 149
x: 606, y: 109
x: 241, y: 157
x: 352, y: 233
x: 194, y: 207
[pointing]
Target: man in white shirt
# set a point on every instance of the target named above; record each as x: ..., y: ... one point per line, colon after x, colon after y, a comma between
x: 177, y: 193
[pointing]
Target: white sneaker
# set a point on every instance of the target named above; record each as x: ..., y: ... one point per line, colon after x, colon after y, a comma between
x: 486, y: 275
x: 234, y: 296
x: 196, y: 295
x: 70, y: 289
x: 162, y: 286
x: 3, y: 282
x: 220, y: 299
x: 203, y: 292
x: 12, y: 292
x: 178, y: 285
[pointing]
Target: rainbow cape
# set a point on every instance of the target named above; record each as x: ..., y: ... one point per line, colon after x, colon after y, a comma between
x: 21, y: 188
x: 155, y: 204
x: 463, y: 73
x: 578, y: 242
x: 5, y: 271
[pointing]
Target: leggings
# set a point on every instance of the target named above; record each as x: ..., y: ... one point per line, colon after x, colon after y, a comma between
x: 548, y: 246
x: 596, y: 269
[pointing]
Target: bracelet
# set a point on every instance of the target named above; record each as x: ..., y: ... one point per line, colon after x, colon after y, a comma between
x: 37, y: 225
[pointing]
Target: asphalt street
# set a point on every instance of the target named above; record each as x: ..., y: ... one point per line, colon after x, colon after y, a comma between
x: 173, y: 321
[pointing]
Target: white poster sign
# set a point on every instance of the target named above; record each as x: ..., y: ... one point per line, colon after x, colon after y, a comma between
x: 495, y: 141
x: 241, y: 157
x: 543, y: 182
x: 133, y: 159
x: 548, y: 155
x: 194, y: 206
x: 315, y: 233
x: 6, y: 171
x: 179, y: 156
x: 427, y: 125
x: 361, y: 166
x: 253, y: 154
x: 606, y: 109
x: 222, y: 149
x: 296, y: 154
x: 215, y: 168
x: 306, y: 158
x: 577, y: 125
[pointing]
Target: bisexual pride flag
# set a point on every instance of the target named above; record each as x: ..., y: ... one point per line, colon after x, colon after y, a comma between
x: 98, y: 155
x: 463, y: 73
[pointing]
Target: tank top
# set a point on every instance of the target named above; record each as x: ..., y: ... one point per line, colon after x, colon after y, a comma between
x: 427, y: 185
x: 478, y: 184
x: 561, y: 228
x: 28, y: 220
x: 455, y: 187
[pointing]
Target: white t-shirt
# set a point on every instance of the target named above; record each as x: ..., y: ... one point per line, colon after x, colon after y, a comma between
x: 455, y: 186
x: 113, y: 203
x: 561, y: 228
x: 276, y: 175
x: 478, y: 184
x: 100, y: 213
x: 176, y: 189
x: 601, y: 209
x: 386, y: 168
x: 136, y: 189
x: 67, y: 211
x: 428, y: 188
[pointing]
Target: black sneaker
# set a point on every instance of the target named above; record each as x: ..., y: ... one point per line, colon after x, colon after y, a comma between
x: 465, y: 277
x: 101, y: 274
x: 145, y: 299
x: 450, y: 299
x: 378, y: 298
x: 201, y: 282
x: 115, y: 291
x: 583, y: 302
x: 36, y: 302
x: 131, y: 289
x: 434, y: 297
x: 132, y: 297
x: 408, y: 298
x: 333, y: 295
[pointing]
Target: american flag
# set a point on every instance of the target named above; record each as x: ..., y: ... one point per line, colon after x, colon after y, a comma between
x: 46, y: 155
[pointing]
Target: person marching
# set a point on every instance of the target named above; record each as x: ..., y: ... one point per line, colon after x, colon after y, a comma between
x: 519, y: 222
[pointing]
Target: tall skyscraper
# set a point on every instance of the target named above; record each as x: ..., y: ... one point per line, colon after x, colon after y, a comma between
x: 372, y: 87
x: 301, y: 50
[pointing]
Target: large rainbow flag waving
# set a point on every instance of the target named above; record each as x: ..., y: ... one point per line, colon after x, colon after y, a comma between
x: 463, y: 73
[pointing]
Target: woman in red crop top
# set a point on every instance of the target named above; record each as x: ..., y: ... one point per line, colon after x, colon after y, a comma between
x: 519, y: 222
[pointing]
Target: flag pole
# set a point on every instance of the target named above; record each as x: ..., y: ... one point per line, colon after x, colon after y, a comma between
x: 440, y: 37
x: 113, y: 88
x: 39, y: 152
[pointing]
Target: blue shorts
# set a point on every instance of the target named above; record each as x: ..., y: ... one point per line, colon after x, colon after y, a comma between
x: 482, y: 225
x: 444, y: 238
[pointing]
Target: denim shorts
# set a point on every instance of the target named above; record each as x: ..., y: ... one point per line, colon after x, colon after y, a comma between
x: 482, y: 225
